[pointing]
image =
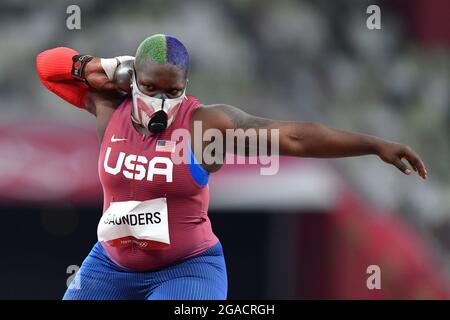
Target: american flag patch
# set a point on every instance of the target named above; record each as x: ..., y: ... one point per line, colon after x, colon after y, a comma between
x: 165, y: 146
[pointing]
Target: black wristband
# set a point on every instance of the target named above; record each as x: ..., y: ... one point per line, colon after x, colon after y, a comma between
x: 78, y: 65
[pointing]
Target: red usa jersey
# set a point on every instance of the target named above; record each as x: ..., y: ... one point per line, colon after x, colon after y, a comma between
x: 155, y: 210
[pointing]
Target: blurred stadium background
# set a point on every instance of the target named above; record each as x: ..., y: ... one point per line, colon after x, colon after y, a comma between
x: 309, y: 232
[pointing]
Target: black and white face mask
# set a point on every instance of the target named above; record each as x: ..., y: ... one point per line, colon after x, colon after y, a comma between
x: 155, y: 113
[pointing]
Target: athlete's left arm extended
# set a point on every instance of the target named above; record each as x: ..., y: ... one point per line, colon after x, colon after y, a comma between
x: 307, y: 139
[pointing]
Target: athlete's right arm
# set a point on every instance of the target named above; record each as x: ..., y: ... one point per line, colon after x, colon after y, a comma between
x: 95, y: 92
x: 54, y: 67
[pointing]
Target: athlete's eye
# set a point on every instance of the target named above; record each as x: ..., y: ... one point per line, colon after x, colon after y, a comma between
x: 149, y: 87
x: 175, y: 92
x: 146, y: 87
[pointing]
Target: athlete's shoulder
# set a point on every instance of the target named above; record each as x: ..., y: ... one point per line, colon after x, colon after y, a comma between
x: 193, y: 100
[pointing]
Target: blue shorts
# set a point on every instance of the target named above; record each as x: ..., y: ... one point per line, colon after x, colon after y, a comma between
x: 202, y: 277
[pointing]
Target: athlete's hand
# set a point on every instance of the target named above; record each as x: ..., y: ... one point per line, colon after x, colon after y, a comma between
x: 393, y: 153
x: 97, y: 78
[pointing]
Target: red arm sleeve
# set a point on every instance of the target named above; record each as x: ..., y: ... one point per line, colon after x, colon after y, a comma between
x: 54, y: 69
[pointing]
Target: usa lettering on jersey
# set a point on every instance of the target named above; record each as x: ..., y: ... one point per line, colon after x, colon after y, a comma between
x: 139, y: 167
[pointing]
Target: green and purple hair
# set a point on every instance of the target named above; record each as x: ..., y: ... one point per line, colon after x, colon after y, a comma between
x: 163, y: 49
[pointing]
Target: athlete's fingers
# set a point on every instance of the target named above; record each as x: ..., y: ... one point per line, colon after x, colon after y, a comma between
x: 416, y: 163
x: 402, y: 166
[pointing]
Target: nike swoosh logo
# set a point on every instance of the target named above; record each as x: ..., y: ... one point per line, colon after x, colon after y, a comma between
x: 117, y: 139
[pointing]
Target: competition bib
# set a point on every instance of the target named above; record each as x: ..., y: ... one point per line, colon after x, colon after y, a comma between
x: 144, y: 223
